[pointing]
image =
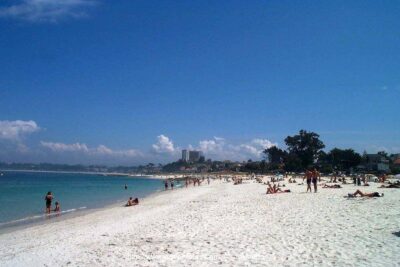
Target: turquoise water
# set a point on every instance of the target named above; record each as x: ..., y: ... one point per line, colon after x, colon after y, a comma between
x: 22, y: 193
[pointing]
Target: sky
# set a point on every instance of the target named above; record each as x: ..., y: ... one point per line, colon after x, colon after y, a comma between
x: 131, y: 82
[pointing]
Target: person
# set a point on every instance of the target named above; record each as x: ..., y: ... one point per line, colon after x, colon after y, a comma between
x: 358, y: 180
x: 132, y: 202
x: 332, y: 186
x: 126, y: 187
x: 48, y: 198
x: 308, y: 176
x: 315, y: 176
x: 390, y: 186
x: 57, y: 208
x: 208, y: 179
x: 362, y: 194
x: 275, y: 190
x: 172, y: 184
x: 166, y: 184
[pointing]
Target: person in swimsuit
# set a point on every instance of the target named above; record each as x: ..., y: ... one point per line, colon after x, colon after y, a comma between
x: 308, y: 177
x: 166, y: 184
x: 57, y: 208
x: 332, y: 186
x: 315, y: 175
x: 48, y: 198
x: 275, y: 190
x: 362, y: 194
x: 172, y: 184
x: 390, y: 186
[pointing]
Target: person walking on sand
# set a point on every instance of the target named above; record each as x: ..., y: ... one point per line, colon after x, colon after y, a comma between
x: 48, y: 198
x: 315, y: 176
x: 308, y: 177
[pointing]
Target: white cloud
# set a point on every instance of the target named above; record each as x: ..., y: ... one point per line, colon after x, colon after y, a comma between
x: 16, y: 130
x: 103, y: 150
x: 46, y: 10
x: 164, y: 145
x: 61, y: 147
x: 212, y: 146
x: 100, y: 150
x: 218, y: 148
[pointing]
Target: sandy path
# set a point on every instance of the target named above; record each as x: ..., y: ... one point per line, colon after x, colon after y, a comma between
x: 221, y: 224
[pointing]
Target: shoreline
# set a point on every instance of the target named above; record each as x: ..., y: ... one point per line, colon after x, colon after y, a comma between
x: 43, y: 219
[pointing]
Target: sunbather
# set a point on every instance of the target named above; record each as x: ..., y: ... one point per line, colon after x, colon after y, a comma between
x: 332, y: 186
x: 362, y: 194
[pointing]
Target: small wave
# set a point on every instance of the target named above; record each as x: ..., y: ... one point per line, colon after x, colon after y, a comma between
x: 41, y: 216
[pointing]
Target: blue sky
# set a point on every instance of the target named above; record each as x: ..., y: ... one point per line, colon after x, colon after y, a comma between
x: 128, y: 82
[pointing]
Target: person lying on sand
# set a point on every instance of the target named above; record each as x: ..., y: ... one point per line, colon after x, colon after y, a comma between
x: 390, y: 186
x: 275, y: 190
x: 361, y: 194
x: 332, y: 186
x: 132, y: 202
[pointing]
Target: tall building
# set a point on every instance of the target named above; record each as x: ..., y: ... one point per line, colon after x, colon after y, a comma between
x: 194, y: 156
x: 185, y: 155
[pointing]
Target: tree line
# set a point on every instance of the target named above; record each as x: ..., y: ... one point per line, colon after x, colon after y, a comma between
x: 304, y: 151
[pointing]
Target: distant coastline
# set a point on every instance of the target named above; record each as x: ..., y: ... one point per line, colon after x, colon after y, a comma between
x: 117, y: 174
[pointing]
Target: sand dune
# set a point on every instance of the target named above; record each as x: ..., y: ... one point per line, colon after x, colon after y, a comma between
x: 221, y: 224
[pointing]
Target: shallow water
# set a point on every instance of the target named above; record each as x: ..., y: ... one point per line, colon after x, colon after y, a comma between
x: 22, y: 193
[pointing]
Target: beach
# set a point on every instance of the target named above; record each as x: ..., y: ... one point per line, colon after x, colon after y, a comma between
x: 221, y: 224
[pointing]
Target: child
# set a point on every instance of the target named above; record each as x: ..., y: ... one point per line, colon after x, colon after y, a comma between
x: 57, y: 208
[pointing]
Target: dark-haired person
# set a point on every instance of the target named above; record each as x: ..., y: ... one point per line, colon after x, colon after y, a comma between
x: 308, y: 177
x: 315, y: 176
x: 48, y: 198
x: 362, y: 194
x: 166, y: 184
x: 57, y: 208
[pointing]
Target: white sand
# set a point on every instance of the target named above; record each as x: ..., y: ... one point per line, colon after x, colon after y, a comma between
x: 221, y: 224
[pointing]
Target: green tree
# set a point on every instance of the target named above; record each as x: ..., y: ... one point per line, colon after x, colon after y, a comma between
x: 343, y: 159
x: 306, y: 146
x: 275, y: 155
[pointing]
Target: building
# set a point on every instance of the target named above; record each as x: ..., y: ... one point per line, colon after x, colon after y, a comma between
x: 194, y: 156
x: 376, y: 162
x: 185, y: 155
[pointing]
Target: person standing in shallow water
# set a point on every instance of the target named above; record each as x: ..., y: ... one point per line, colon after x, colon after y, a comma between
x: 166, y: 184
x: 48, y: 198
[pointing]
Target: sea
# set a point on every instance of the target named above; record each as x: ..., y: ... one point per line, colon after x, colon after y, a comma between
x: 22, y: 194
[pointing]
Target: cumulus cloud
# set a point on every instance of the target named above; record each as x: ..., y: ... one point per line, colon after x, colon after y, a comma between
x: 16, y: 130
x: 220, y: 149
x: 213, y: 146
x: 164, y: 145
x: 46, y: 10
x: 100, y: 150
x: 61, y: 147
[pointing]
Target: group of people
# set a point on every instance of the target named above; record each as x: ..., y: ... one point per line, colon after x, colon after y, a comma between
x: 171, y: 183
x: 312, y: 176
x: 49, y: 199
